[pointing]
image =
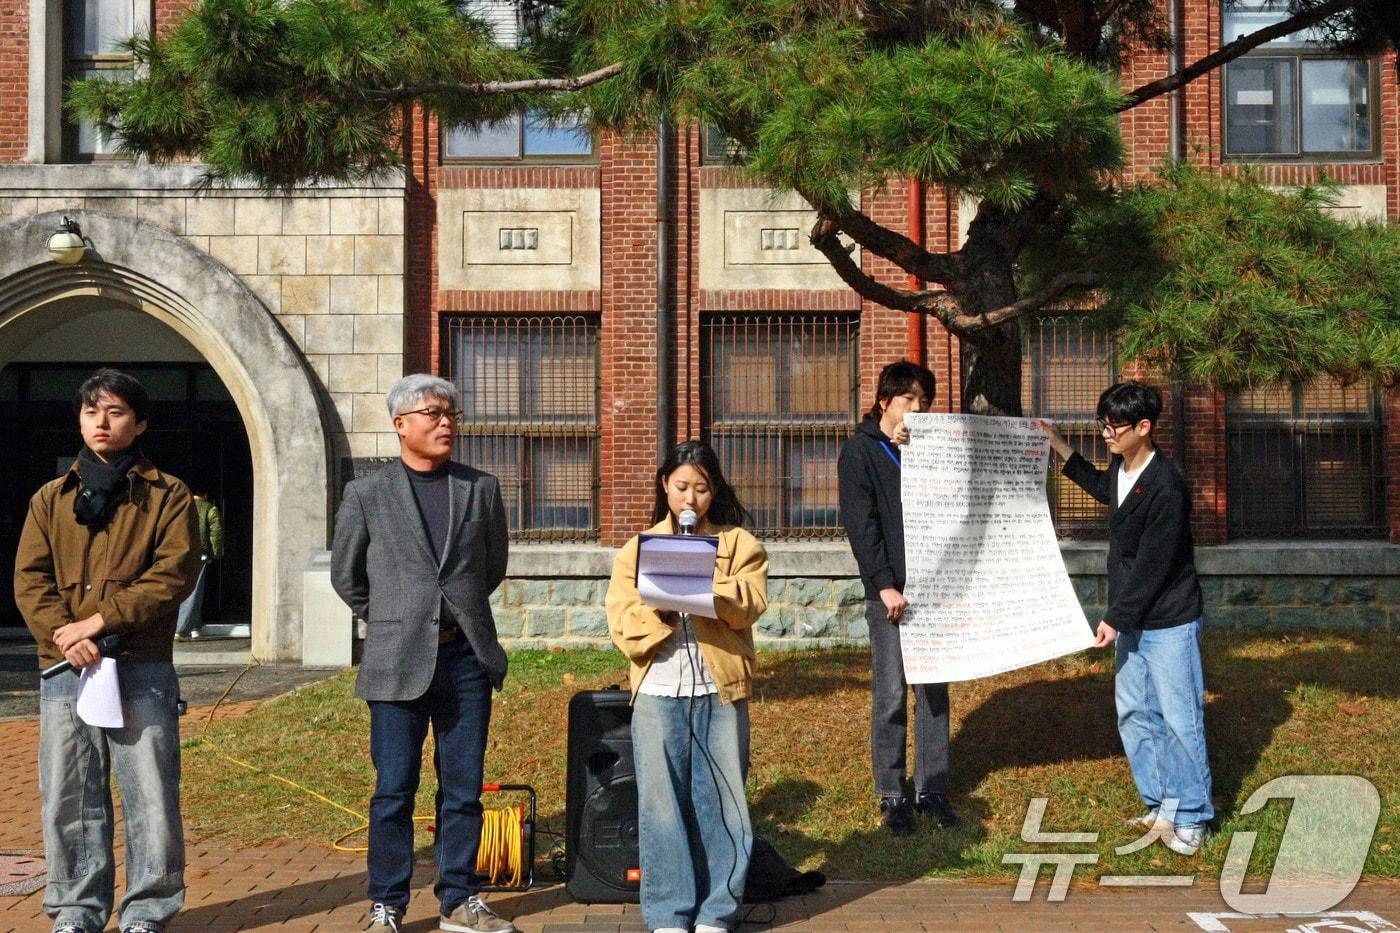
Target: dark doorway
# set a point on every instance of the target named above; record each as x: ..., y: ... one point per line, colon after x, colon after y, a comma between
x: 195, y: 433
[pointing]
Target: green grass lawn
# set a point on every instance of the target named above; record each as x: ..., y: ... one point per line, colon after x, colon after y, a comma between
x: 1277, y: 705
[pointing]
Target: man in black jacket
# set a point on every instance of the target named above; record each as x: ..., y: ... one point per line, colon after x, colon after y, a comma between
x: 871, y: 511
x: 1154, y: 614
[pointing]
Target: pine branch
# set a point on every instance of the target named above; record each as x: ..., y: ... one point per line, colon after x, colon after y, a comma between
x: 971, y: 323
x: 824, y: 238
x: 487, y: 88
x: 1107, y: 12
x: 1232, y: 51
x: 913, y: 258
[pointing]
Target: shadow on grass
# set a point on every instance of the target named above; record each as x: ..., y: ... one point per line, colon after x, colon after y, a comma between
x: 1257, y: 683
x: 930, y: 850
x: 790, y: 675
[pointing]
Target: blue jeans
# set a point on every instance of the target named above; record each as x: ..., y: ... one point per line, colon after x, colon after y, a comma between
x: 75, y: 765
x: 1160, y: 696
x: 458, y: 705
x: 692, y: 816
x: 192, y: 609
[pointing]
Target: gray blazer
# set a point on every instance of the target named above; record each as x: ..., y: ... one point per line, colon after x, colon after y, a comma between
x: 382, y: 566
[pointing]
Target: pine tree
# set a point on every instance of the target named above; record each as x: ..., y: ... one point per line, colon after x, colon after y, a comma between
x: 1212, y: 277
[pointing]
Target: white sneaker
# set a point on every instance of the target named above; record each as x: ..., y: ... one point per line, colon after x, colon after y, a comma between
x: 670, y: 930
x: 1149, y: 820
x: 707, y: 928
x: 1186, y: 840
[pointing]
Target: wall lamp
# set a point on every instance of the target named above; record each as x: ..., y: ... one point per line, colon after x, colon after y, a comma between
x: 66, y: 246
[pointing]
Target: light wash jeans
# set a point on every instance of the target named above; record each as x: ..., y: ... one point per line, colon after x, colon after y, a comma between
x: 75, y: 764
x: 692, y: 816
x: 1160, y: 695
x: 191, y: 615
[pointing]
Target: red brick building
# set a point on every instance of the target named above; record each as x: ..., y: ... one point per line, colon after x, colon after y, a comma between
x: 541, y: 269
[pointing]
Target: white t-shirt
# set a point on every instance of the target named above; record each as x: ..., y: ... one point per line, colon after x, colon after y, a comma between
x: 678, y: 669
x: 1127, y: 480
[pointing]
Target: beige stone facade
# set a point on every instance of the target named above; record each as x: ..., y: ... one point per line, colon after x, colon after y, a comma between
x: 296, y: 301
x: 328, y: 264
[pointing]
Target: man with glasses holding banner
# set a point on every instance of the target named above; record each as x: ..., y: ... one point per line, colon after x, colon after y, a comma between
x: 419, y: 547
x: 1154, y: 614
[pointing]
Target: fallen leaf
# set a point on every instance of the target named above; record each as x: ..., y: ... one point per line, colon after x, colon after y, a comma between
x: 1352, y: 709
x: 1386, y: 847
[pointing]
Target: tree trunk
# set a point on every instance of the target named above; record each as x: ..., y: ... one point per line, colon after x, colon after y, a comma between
x: 992, y: 372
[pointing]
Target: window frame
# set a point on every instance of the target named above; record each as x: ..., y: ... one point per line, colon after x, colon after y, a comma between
x: 522, y: 157
x: 1299, y: 54
x: 527, y: 427
x: 1073, y: 512
x: 733, y: 153
x: 71, y: 65
x: 1298, y: 427
x: 792, y: 427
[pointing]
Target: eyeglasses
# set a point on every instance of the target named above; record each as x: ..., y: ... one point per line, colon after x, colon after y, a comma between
x: 1106, y: 427
x: 436, y: 414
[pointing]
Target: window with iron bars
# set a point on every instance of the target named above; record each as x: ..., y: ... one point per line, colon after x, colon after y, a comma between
x: 1305, y: 462
x: 1065, y: 368
x: 779, y: 396
x: 529, y: 389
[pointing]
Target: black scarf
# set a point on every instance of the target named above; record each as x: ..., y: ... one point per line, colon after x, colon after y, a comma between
x: 104, y: 485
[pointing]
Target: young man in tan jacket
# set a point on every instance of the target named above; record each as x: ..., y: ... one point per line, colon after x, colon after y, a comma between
x: 109, y: 548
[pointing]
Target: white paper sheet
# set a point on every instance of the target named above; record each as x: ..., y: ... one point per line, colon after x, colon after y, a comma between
x: 677, y: 573
x: 987, y: 587
x: 99, y: 695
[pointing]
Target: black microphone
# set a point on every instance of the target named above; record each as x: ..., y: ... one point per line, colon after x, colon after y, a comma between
x: 105, y: 646
x: 688, y: 521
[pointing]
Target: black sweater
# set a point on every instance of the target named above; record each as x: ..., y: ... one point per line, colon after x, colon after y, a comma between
x: 868, y: 471
x: 1151, y: 557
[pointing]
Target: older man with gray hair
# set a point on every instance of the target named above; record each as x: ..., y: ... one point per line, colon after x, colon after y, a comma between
x: 419, y: 547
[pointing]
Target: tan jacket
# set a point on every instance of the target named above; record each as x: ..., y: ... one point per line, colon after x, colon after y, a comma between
x: 135, y: 571
x: 741, y: 595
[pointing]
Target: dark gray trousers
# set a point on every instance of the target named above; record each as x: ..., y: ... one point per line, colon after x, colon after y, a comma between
x: 889, y: 716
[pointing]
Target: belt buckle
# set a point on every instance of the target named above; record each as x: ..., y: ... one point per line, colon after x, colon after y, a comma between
x: 446, y: 634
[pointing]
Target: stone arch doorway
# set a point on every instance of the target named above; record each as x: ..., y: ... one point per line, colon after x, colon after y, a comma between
x: 139, y: 266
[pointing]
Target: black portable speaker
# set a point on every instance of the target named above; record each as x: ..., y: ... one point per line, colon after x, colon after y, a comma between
x: 600, y: 809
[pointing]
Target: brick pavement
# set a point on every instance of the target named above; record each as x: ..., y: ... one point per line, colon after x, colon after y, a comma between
x: 306, y: 888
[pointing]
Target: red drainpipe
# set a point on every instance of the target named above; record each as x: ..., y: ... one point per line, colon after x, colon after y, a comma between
x: 916, y: 351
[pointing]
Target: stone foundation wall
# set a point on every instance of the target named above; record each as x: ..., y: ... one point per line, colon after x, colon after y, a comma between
x: 554, y: 594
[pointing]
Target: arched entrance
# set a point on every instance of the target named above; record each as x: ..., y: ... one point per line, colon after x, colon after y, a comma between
x: 139, y: 266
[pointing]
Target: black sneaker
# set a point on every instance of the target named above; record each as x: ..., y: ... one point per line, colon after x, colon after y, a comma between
x: 896, y: 816
x: 936, y: 806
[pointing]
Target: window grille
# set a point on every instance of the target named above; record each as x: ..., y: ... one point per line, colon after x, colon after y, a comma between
x: 1305, y: 461
x: 529, y: 389
x: 1065, y: 368
x: 779, y: 396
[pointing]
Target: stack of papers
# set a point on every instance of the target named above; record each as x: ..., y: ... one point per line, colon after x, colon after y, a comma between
x: 677, y: 573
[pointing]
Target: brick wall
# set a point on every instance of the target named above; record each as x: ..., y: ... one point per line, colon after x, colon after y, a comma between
x: 626, y: 301
x: 627, y: 460
x: 14, y: 80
